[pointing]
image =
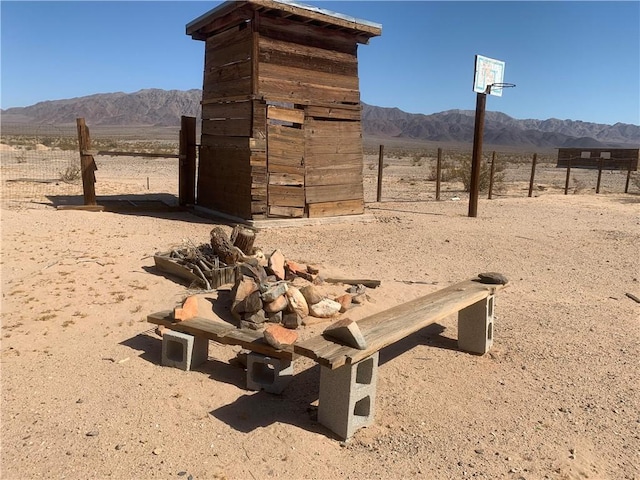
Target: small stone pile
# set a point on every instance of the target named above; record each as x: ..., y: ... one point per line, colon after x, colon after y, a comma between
x: 264, y: 293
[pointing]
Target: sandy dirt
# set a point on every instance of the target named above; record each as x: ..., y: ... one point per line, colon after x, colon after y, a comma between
x: 558, y: 397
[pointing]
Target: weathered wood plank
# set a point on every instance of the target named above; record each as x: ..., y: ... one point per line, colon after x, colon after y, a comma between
x: 231, y: 88
x: 220, y: 332
x: 332, y: 193
x: 216, y: 57
x: 334, y: 209
x: 305, y: 93
x: 227, y: 110
x: 285, y: 114
x: 296, y: 74
x: 286, y: 196
x: 234, y: 127
x: 333, y: 160
x: 332, y: 175
x: 387, y: 327
x: 304, y: 56
x: 291, y: 179
x: 319, y: 112
x: 278, y: 211
x: 319, y: 146
x: 306, y: 34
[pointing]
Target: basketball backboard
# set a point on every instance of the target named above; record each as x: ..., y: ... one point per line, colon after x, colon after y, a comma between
x: 488, y: 71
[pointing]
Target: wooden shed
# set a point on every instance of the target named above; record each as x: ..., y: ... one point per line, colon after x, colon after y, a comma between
x: 281, y: 132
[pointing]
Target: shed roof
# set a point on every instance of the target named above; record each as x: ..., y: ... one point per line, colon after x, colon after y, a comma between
x: 233, y: 12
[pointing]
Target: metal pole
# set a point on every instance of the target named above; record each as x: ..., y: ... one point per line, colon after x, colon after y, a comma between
x: 380, y: 167
x: 626, y: 185
x: 491, y: 173
x: 599, y: 175
x: 438, y: 173
x: 533, y: 173
x: 481, y: 103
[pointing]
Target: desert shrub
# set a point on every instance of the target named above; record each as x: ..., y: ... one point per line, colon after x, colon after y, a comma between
x: 417, y: 160
x: 461, y: 172
x: 71, y: 174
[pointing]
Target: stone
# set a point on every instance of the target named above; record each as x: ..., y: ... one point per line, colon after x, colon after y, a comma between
x: 311, y: 294
x: 256, y: 317
x: 273, y: 290
x: 493, y: 278
x: 318, y: 280
x: 276, y: 264
x: 298, y: 270
x: 357, y: 289
x: 279, y: 337
x: 344, y: 301
x: 325, y: 308
x: 243, y: 287
x: 160, y: 330
x: 348, y: 332
x: 188, y: 310
x: 249, y: 305
x: 278, y: 305
x: 297, y: 302
x: 291, y: 320
x: 251, y: 325
x: 275, y: 317
x: 313, y: 270
x: 360, y: 299
x: 254, y: 271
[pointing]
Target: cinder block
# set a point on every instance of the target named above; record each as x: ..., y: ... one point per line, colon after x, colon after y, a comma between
x: 268, y: 373
x: 348, y: 396
x: 475, y: 326
x: 183, y: 351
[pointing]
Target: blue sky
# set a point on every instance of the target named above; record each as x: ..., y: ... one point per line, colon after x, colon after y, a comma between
x: 570, y: 60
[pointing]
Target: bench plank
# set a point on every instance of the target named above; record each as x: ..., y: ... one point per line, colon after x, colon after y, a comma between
x: 389, y: 326
x: 221, y: 333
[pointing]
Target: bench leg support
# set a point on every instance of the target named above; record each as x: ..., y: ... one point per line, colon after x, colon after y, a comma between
x: 183, y: 351
x: 347, y: 396
x: 475, y: 326
x: 268, y: 373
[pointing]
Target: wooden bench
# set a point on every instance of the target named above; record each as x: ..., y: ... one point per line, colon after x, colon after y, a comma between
x: 348, y: 376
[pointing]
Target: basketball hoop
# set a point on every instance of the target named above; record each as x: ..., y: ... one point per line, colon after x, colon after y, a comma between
x: 499, y: 86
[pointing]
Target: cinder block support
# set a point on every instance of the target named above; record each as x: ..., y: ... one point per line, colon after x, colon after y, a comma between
x: 183, y: 351
x: 475, y: 326
x: 268, y: 373
x: 347, y: 396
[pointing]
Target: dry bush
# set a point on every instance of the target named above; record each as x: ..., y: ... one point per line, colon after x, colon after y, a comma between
x: 71, y: 174
x: 462, y: 172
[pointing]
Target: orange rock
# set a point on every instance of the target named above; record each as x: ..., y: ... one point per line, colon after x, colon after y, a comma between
x: 189, y: 309
x: 344, y: 301
x: 276, y: 264
x: 279, y: 337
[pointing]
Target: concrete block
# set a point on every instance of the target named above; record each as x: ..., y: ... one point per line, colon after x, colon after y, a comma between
x: 475, y: 326
x: 268, y: 373
x: 348, y: 395
x: 183, y: 351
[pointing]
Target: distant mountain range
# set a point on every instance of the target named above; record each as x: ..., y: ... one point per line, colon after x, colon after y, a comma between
x: 164, y: 107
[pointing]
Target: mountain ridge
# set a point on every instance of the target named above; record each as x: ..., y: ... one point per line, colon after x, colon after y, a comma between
x: 157, y: 107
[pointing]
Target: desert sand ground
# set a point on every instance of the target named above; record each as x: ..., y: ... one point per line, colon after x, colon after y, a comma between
x: 558, y: 397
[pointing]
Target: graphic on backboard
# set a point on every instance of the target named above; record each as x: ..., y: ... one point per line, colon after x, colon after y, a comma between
x: 488, y: 72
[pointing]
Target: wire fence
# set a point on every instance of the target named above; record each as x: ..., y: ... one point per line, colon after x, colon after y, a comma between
x: 409, y: 174
x: 38, y: 160
x: 40, y: 163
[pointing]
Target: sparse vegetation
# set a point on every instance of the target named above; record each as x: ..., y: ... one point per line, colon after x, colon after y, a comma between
x: 71, y: 174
